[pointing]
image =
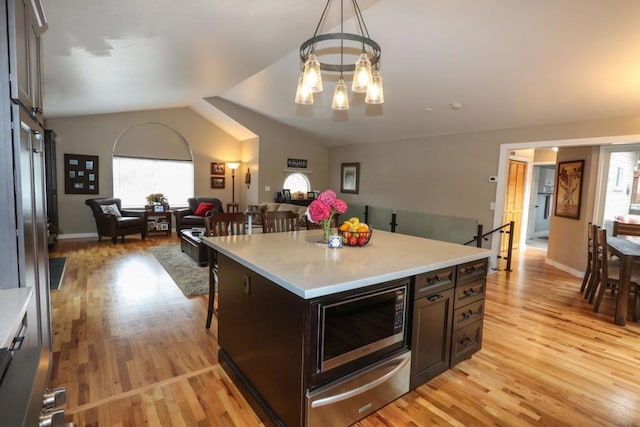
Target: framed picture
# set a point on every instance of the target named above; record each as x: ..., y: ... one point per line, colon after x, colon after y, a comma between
x: 158, y: 208
x: 569, y: 189
x: 311, y: 195
x: 217, y: 169
x: 80, y: 174
x: 286, y: 194
x: 217, y: 182
x: 350, y: 178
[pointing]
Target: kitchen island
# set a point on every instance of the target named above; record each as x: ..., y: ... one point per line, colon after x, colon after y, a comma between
x: 273, y: 294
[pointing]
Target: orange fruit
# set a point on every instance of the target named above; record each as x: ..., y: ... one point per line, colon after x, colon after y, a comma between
x: 344, y: 227
x: 363, y: 227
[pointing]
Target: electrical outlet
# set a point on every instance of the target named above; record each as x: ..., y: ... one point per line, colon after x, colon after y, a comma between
x: 267, y: 188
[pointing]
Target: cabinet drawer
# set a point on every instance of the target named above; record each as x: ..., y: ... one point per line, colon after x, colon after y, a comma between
x: 469, y: 293
x: 472, y: 271
x: 468, y: 314
x: 465, y: 342
x: 434, y: 281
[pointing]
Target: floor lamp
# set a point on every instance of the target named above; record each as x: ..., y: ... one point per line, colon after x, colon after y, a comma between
x: 233, y: 166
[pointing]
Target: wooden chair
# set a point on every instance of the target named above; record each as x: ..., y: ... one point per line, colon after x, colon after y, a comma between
x: 227, y: 224
x: 279, y: 221
x: 221, y: 224
x: 608, y: 272
x: 625, y: 229
x: 589, y: 276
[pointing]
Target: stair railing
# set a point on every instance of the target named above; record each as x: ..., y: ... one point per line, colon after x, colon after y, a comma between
x: 506, y: 228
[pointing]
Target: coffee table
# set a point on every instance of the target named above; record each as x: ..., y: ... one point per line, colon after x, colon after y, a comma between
x: 192, y: 245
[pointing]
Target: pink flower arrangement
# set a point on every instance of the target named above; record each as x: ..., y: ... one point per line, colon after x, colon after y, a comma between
x: 322, y: 210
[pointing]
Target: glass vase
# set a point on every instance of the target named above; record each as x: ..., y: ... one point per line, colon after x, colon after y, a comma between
x: 326, y: 231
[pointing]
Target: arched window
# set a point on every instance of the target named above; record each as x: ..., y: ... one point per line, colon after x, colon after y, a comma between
x: 150, y: 158
x: 297, y: 183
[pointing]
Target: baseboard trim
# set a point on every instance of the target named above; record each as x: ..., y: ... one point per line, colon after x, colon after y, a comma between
x: 77, y: 236
x: 564, y: 268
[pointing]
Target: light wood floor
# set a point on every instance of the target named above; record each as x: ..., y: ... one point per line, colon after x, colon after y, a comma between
x: 132, y: 350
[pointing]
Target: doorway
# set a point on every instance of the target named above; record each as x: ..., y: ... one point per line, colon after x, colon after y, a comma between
x: 541, y: 204
x: 514, y: 201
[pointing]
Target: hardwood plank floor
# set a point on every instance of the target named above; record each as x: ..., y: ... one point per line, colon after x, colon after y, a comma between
x: 132, y: 350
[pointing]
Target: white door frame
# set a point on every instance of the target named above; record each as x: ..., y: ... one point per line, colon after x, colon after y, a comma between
x: 503, y: 163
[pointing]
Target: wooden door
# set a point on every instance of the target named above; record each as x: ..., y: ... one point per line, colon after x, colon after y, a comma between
x: 514, y: 201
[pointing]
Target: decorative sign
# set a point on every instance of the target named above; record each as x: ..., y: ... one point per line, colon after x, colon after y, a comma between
x: 297, y: 163
x: 80, y: 174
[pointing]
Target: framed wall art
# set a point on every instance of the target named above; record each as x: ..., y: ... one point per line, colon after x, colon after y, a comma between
x: 350, y: 178
x: 569, y: 189
x: 80, y: 174
x: 217, y: 168
x: 217, y: 182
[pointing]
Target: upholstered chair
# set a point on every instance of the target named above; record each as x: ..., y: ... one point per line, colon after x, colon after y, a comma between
x: 193, y: 216
x: 113, y: 221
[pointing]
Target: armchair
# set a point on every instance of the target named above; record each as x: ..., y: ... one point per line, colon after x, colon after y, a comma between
x: 113, y: 221
x: 187, y: 218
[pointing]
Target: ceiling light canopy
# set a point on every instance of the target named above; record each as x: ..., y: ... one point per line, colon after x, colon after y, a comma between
x: 366, y: 77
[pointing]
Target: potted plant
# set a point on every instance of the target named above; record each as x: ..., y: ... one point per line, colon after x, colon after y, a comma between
x: 52, y: 233
x: 157, y: 199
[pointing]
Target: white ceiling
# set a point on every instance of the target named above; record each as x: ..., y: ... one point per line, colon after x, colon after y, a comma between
x: 509, y: 63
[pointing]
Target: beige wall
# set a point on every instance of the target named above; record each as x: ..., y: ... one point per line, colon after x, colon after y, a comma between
x: 278, y: 142
x: 448, y: 175
x: 95, y: 135
x: 568, y: 237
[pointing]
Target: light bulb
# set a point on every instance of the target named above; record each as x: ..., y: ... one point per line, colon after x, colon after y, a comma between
x: 311, y: 76
x: 340, y: 97
x: 362, y: 74
x: 304, y: 95
x: 375, y: 93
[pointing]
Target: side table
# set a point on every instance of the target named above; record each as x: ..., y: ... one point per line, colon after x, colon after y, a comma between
x: 159, y: 222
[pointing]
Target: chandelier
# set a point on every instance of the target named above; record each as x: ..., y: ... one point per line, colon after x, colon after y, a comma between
x: 366, y: 75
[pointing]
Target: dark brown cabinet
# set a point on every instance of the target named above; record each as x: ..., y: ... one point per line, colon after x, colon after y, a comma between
x: 431, y: 336
x: 448, y: 309
x: 468, y: 316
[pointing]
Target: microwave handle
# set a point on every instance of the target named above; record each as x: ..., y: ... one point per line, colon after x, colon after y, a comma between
x: 366, y: 387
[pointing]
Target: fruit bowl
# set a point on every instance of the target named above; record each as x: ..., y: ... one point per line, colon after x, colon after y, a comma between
x: 356, y: 238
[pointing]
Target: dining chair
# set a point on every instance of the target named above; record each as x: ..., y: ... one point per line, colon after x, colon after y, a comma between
x: 608, y: 271
x: 222, y: 224
x: 589, y: 276
x: 279, y: 221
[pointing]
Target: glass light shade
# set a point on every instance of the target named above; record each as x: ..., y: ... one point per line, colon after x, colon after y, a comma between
x: 362, y: 74
x: 375, y: 93
x: 311, y: 76
x: 233, y: 165
x: 340, y: 97
x: 304, y: 95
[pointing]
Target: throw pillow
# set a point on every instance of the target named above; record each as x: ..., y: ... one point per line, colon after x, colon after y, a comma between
x: 111, y: 209
x: 203, y: 208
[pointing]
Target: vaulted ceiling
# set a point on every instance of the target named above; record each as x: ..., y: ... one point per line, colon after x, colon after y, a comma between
x: 503, y: 63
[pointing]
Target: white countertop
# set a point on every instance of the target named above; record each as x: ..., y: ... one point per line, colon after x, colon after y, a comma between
x: 308, y: 269
x: 13, y: 306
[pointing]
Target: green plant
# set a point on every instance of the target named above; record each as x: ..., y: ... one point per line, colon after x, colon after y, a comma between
x: 156, y: 198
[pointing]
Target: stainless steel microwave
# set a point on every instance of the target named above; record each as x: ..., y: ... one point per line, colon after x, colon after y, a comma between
x: 361, y: 324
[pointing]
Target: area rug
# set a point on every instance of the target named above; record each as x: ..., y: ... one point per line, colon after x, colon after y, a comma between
x: 190, y: 278
x: 56, y: 271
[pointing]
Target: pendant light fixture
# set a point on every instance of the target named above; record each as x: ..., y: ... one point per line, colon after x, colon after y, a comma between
x: 366, y: 76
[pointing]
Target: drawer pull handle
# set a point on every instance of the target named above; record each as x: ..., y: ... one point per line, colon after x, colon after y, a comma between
x: 434, y: 298
x: 465, y: 342
x: 471, y: 292
x: 470, y: 270
x: 469, y: 314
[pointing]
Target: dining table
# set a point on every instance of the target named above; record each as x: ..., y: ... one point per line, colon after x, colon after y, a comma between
x: 627, y: 250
